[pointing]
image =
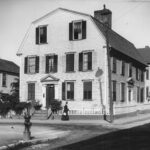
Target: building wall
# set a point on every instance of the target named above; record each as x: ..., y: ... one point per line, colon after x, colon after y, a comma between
x: 126, y: 106
x: 58, y: 43
x: 9, y: 79
x: 147, y: 84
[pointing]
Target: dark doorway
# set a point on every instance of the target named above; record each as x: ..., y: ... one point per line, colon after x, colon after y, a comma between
x: 50, y: 94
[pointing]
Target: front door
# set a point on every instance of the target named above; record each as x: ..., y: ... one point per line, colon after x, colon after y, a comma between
x: 50, y: 94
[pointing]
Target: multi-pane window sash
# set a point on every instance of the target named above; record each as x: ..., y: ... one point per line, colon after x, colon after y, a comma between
x: 31, y: 91
x: 31, y: 64
x: 85, y: 61
x: 77, y: 30
x: 69, y: 62
x: 68, y: 90
x: 4, y: 80
x: 51, y: 63
x: 41, y: 35
x: 87, y: 90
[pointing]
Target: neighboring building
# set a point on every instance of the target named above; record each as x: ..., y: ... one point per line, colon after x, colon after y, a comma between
x: 145, y: 53
x: 64, y: 56
x: 9, y: 72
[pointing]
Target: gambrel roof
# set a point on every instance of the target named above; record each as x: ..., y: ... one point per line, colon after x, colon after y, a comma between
x: 116, y: 41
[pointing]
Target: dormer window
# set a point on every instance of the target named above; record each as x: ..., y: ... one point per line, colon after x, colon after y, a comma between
x: 77, y: 30
x: 41, y: 35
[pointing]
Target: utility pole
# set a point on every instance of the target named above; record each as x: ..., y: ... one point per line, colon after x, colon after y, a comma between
x: 111, y: 117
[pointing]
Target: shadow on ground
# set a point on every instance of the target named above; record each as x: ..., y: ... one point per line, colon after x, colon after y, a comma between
x: 137, y: 138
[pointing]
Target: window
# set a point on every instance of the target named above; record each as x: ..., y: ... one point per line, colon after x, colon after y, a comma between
x: 41, y: 35
x: 130, y: 70
x: 142, y: 75
x: 77, y: 30
x: 138, y: 94
x: 114, y: 90
x: 147, y: 74
x: 31, y: 91
x: 122, y: 92
x: 114, y: 65
x: 51, y: 63
x: 85, y: 61
x: 31, y: 64
x: 68, y: 90
x: 142, y: 95
x: 147, y: 92
x: 4, y: 80
x: 123, y: 68
x: 87, y: 90
x: 69, y: 62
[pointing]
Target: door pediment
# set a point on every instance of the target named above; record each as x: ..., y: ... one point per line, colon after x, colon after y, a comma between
x: 49, y: 78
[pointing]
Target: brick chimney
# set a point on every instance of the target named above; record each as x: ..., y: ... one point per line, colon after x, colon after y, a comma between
x: 104, y: 16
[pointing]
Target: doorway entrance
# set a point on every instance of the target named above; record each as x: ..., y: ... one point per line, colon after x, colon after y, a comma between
x: 50, y: 94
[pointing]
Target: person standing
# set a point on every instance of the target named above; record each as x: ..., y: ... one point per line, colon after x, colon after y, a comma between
x: 65, y: 115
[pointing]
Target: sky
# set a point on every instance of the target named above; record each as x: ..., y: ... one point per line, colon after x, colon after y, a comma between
x: 130, y: 19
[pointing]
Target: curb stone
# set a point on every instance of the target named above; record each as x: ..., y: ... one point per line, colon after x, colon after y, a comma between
x: 22, y: 144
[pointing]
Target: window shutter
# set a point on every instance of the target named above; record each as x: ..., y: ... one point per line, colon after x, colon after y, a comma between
x: 70, y: 62
x: 83, y: 29
x: 37, y: 64
x: 25, y: 64
x: 80, y: 61
x: 63, y: 91
x: 47, y: 65
x: 55, y: 62
x: 90, y: 61
x: 37, y: 35
x: 70, y: 31
x: 45, y: 34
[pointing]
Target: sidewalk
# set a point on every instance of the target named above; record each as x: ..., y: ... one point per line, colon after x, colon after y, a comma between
x: 125, y: 122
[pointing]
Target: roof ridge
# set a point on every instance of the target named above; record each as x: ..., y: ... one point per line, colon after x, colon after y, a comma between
x: 60, y: 8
